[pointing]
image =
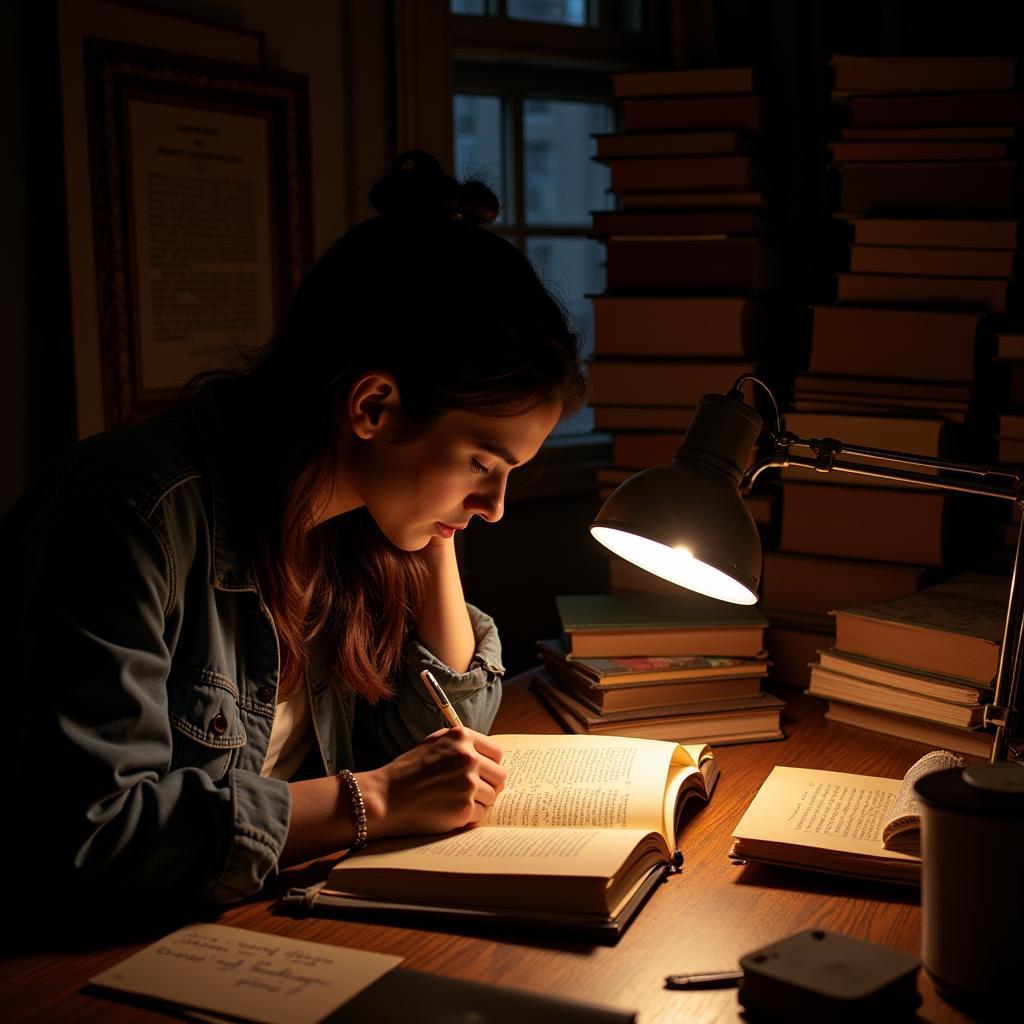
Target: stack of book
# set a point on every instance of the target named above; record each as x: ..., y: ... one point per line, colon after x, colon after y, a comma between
x: 920, y: 666
x: 690, y: 260
x: 679, y: 668
x: 1009, y: 441
x: 925, y: 197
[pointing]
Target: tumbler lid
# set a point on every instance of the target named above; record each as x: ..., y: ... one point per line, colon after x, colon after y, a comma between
x: 984, y: 790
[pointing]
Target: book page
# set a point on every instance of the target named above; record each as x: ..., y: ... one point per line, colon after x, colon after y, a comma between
x: 903, y: 823
x: 582, y: 852
x: 821, y: 809
x: 604, y: 782
x: 248, y: 975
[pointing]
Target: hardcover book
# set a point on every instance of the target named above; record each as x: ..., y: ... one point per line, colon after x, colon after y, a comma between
x: 954, y: 628
x: 584, y: 829
x: 617, y: 625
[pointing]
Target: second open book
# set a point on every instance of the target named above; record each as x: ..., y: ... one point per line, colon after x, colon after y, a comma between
x: 584, y: 828
x: 836, y: 822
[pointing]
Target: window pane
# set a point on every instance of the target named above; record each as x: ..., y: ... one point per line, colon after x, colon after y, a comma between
x: 479, y: 143
x: 562, y: 183
x: 562, y: 12
x: 468, y: 6
x: 572, y: 268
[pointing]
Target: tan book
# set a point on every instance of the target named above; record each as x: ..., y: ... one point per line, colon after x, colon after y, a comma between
x: 925, y: 232
x: 963, y: 741
x: 916, y: 345
x: 857, y: 74
x: 619, y: 144
x: 851, y: 690
x: 954, y: 628
x: 583, y: 828
x: 1005, y: 132
x: 737, y: 720
x: 837, y: 822
x: 1009, y: 346
x: 630, y: 684
x: 860, y: 151
x: 929, y: 684
x: 1011, y: 450
x: 681, y: 82
x: 729, y: 327
x: 659, y: 381
x: 674, y: 200
x: 989, y: 294
x: 884, y: 524
x: 940, y: 262
x: 689, y: 173
x: 817, y: 584
x: 743, y: 112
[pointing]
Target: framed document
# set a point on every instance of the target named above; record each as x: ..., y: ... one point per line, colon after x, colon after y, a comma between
x: 200, y: 213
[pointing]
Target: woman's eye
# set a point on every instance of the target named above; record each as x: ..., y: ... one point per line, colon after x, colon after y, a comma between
x: 478, y: 467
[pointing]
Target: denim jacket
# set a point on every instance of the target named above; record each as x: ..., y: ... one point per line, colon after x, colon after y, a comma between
x: 145, y: 673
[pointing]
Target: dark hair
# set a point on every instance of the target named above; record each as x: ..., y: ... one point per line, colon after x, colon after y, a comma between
x: 458, y: 316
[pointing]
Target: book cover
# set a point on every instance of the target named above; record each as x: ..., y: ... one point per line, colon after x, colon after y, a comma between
x: 685, y: 173
x: 615, y: 612
x: 880, y: 189
x: 707, y: 81
x: 742, y: 112
x: 722, y: 264
x: 723, y: 327
x: 856, y: 74
x: 916, y: 345
x: 989, y: 294
x: 938, y: 262
x: 937, y: 233
x: 997, y: 108
x: 955, y: 627
x: 619, y: 144
x: 607, y: 223
x: 659, y: 381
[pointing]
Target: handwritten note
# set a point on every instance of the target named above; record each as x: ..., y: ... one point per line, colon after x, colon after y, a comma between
x: 251, y: 975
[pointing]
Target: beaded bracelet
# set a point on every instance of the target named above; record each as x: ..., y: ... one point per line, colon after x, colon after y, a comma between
x: 356, y: 796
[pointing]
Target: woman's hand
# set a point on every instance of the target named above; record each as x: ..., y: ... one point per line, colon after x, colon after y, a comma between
x: 448, y: 780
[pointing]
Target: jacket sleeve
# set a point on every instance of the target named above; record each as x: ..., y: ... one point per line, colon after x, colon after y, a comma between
x: 101, y: 809
x: 385, y: 730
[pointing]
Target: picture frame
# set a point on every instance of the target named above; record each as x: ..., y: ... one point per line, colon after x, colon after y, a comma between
x: 201, y: 214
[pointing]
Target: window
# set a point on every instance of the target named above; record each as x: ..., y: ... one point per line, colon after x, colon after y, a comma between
x: 533, y: 85
x: 557, y: 185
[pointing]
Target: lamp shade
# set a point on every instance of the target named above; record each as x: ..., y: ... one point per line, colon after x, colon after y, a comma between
x: 686, y: 522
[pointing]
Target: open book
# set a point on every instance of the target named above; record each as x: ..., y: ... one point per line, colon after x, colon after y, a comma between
x: 845, y: 824
x: 581, y: 833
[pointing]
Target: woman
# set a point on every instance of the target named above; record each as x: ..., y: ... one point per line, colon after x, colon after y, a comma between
x: 215, y: 613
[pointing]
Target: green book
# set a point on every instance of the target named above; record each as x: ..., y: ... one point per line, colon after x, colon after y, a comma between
x: 636, y: 625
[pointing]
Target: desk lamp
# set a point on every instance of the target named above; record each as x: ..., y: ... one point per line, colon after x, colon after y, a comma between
x: 687, y: 522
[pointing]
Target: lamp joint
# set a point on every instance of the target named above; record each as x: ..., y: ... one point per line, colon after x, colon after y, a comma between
x: 825, y: 451
x: 996, y: 716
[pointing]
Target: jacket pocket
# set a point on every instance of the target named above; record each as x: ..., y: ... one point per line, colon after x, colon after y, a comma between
x: 206, y: 722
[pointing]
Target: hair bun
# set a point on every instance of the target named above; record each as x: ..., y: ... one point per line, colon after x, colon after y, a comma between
x: 418, y: 188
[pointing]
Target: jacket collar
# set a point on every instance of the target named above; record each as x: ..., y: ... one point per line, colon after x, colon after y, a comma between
x: 233, y: 539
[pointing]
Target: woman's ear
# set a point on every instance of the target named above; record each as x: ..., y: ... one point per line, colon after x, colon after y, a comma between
x: 373, y: 404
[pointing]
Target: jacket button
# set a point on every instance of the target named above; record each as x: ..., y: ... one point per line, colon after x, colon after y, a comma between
x: 219, y: 724
x: 265, y: 693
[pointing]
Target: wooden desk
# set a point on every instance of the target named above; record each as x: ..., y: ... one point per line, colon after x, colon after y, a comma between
x: 702, y: 919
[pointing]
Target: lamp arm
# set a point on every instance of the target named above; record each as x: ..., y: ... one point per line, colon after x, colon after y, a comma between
x: 1004, y: 483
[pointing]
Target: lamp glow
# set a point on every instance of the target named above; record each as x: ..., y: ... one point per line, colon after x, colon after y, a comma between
x: 675, y: 564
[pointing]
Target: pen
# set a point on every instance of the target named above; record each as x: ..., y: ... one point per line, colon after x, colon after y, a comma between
x: 439, y: 698
x: 709, y: 979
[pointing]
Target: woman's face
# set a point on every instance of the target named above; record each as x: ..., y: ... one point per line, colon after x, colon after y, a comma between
x: 457, y: 468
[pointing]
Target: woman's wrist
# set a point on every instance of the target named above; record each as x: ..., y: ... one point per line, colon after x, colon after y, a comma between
x: 373, y: 787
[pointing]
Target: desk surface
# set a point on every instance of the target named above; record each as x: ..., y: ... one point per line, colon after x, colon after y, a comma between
x: 702, y: 919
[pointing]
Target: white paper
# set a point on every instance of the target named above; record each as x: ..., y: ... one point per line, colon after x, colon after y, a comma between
x: 251, y: 975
